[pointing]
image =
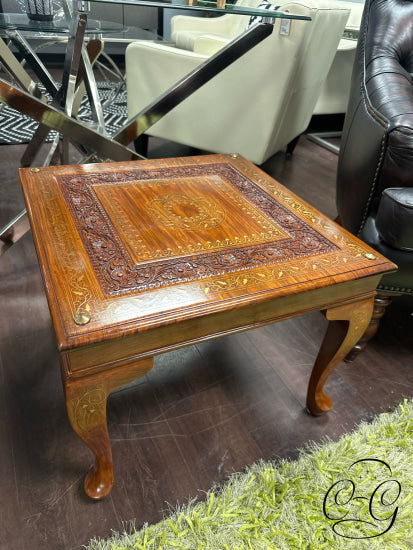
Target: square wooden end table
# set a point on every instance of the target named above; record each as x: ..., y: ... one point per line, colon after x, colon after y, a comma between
x: 142, y: 257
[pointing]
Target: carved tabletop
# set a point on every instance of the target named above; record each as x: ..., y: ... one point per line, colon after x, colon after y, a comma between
x: 142, y: 257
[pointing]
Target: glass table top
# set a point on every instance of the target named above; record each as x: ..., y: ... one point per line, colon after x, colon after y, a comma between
x: 206, y: 6
x: 59, y: 24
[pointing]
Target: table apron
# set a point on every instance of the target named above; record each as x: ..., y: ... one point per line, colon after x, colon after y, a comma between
x: 108, y: 354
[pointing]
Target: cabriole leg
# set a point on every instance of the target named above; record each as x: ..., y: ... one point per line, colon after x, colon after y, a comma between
x: 381, y: 302
x: 86, y: 399
x: 347, y: 325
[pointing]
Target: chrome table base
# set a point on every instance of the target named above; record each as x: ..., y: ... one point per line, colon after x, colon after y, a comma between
x: 60, y: 114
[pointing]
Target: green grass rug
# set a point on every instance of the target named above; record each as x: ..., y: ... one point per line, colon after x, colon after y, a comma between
x: 356, y: 494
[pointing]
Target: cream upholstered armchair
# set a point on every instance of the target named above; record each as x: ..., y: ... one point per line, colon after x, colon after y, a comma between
x: 335, y: 90
x: 260, y: 103
x: 206, y: 35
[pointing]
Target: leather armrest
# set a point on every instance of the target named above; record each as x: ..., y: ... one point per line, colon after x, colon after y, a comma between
x: 394, y: 219
x: 208, y: 44
x: 182, y: 23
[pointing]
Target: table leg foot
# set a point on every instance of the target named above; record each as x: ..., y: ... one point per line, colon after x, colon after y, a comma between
x: 99, y: 480
x: 347, y: 325
x: 86, y: 399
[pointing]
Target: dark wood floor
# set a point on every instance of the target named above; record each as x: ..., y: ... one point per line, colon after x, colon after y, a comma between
x: 202, y: 413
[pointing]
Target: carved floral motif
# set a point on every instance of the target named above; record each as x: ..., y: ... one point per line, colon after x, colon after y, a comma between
x: 114, y: 267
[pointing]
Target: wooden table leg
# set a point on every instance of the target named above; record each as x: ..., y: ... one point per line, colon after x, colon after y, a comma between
x: 347, y: 325
x: 381, y: 301
x: 86, y: 398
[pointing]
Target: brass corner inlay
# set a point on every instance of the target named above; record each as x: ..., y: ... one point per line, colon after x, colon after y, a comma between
x: 82, y: 318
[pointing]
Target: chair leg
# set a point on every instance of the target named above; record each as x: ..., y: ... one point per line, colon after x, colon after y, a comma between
x: 141, y: 144
x: 291, y: 146
x: 381, y: 301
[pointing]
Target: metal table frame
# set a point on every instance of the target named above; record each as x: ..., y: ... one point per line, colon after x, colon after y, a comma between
x: 94, y: 143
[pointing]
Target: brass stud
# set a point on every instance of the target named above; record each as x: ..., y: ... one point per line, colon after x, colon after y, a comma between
x: 82, y: 318
x: 34, y: 169
x: 234, y: 155
x: 370, y: 256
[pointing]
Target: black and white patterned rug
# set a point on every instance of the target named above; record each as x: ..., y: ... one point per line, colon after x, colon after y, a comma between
x: 16, y: 128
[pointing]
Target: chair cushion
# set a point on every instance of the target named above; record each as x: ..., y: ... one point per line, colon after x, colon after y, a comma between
x: 394, y: 220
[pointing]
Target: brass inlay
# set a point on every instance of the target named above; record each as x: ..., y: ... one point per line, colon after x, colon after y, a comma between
x: 82, y: 318
x: 181, y: 216
x: 78, y: 286
x: 88, y: 407
x: 178, y: 210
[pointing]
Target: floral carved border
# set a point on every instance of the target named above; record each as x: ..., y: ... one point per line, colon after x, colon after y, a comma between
x: 117, y: 273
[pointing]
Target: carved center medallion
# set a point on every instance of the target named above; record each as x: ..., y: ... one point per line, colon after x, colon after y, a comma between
x: 185, y: 212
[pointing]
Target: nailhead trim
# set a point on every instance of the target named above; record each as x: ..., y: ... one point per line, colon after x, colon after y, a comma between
x: 384, y: 123
x: 395, y: 289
